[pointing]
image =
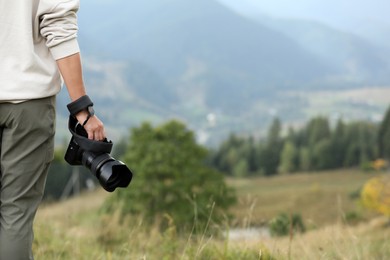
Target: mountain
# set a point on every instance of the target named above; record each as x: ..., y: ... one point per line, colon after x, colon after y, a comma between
x: 358, y: 59
x: 159, y: 59
x: 173, y: 36
x: 368, y: 19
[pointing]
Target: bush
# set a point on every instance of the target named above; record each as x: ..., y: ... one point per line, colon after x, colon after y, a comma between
x: 375, y: 195
x: 284, y: 224
x: 352, y: 217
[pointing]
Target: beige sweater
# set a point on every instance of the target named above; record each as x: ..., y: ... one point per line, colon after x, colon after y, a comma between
x: 33, y: 35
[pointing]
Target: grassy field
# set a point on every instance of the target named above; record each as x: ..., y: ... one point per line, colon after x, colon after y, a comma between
x: 73, y: 229
x: 321, y: 199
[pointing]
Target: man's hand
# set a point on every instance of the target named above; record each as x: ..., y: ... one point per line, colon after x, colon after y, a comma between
x: 94, y: 126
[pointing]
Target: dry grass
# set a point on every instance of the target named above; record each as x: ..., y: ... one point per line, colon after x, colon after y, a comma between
x: 73, y: 230
x: 337, y: 241
x: 321, y: 198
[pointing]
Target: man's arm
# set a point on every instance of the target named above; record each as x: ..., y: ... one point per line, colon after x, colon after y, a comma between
x: 71, y: 70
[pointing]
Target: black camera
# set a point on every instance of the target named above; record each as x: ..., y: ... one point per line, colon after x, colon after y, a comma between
x: 95, y: 155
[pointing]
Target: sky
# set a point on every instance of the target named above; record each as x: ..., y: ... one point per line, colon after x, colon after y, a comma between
x: 352, y: 15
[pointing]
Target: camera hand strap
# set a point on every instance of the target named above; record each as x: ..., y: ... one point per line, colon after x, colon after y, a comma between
x: 80, y: 104
x: 85, y: 143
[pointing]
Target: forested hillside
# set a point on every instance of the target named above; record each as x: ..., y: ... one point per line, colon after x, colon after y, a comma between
x: 157, y: 60
x: 317, y: 146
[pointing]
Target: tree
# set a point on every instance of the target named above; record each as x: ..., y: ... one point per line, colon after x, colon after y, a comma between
x: 338, y: 144
x: 227, y: 155
x: 171, y: 179
x: 361, y: 145
x: 318, y: 129
x: 241, y: 168
x: 322, y: 156
x: 288, y: 157
x: 384, y: 136
x: 273, y: 148
x: 304, y: 159
x: 236, y: 156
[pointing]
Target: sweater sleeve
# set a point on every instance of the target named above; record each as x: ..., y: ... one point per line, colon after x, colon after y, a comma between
x: 58, y: 25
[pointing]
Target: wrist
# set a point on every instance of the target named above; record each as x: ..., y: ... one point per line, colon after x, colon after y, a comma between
x: 82, y: 116
x: 82, y: 109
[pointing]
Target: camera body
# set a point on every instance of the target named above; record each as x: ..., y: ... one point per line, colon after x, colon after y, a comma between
x: 95, y: 155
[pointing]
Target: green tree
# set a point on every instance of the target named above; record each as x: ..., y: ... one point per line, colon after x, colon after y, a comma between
x: 171, y: 179
x: 273, y: 148
x: 233, y: 152
x: 248, y: 153
x: 322, y: 157
x: 304, y: 159
x: 361, y: 144
x: 288, y: 157
x: 241, y: 168
x: 227, y: 155
x: 339, y: 140
x: 318, y: 129
x: 384, y: 136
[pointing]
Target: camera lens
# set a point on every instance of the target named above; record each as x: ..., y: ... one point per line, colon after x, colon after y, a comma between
x: 110, y: 172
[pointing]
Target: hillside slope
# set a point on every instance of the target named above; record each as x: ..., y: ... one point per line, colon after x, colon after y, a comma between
x: 155, y: 60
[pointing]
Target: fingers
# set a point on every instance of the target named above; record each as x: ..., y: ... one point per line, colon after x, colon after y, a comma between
x: 95, y: 129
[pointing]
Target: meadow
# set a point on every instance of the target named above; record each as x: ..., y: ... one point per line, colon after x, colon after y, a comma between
x: 337, y: 226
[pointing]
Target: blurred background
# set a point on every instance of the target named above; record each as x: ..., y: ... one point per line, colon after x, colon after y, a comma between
x: 256, y: 129
x: 232, y: 66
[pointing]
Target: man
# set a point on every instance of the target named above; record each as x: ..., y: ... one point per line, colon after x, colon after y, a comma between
x: 38, y: 45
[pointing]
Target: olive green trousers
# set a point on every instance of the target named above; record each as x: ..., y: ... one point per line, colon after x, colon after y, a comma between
x: 26, y: 150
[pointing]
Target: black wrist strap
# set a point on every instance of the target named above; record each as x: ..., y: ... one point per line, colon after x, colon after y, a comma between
x: 86, y: 120
x: 80, y: 104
